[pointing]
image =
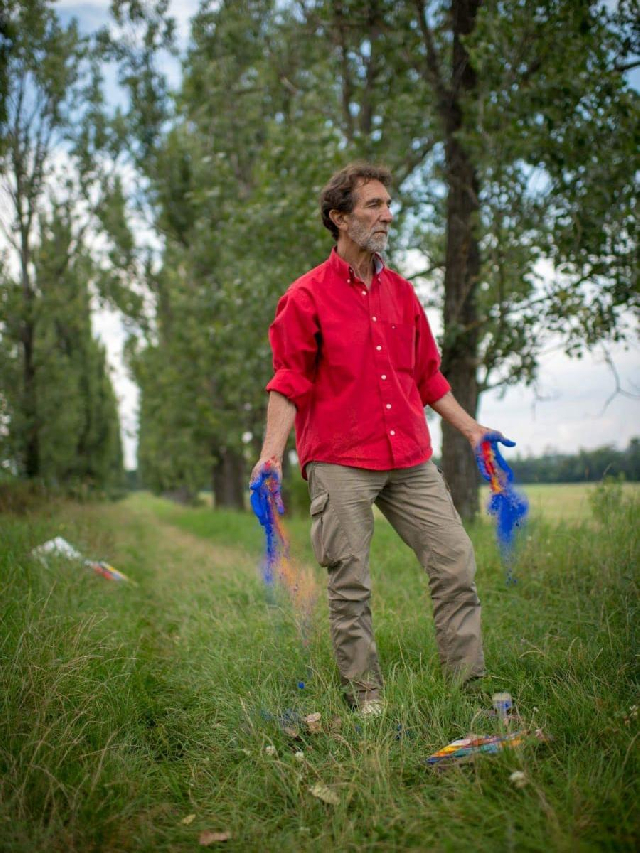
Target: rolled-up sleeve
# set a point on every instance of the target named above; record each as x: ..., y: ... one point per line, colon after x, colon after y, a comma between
x: 294, y: 343
x: 432, y: 385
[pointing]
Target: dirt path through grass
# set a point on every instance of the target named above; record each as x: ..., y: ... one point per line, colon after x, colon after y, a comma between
x: 174, y: 549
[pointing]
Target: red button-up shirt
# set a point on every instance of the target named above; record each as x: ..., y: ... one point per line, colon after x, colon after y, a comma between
x: 359, y: 364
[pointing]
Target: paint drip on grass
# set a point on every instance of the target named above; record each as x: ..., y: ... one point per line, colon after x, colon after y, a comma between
x: 506, y: 504
x: 277, y: 568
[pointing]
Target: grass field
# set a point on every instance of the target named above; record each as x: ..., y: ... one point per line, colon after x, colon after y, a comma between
x: 568, y: 501
x: 135, y: 717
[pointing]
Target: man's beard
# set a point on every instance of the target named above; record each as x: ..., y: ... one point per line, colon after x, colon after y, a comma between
x: 366, y: 239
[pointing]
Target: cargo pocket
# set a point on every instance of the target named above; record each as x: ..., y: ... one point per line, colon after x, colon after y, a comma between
x: 327, y: 538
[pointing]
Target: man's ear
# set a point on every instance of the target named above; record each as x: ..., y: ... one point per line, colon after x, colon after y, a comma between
x: 339, y: 219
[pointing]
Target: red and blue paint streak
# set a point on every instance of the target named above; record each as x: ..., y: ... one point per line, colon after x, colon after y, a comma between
x: 506, y: 504
x: 277, y: 567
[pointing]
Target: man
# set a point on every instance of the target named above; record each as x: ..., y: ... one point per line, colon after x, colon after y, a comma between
x: 355, y: 363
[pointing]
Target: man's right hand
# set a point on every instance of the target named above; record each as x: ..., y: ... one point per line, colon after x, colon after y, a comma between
x: 273, y: 461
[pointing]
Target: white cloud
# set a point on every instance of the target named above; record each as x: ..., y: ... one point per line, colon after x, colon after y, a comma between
x: 88, y: 4
x: 92, y: 14
x: 568, y: 411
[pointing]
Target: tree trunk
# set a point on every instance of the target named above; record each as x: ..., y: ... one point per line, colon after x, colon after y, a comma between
x: 31, y: 455
x: 462, y: 271
x: 228, y: 480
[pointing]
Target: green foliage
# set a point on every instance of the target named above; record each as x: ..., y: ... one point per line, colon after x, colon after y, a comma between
x: 141, y: 33
x: 77, y: 408
x: 59, y: 412
x: 128, y: 708
x: 169, y: 451
x: 77, y: 413
x: 559, y: 213
x: 234, y: 185
x: 7, y: 35
x: 22, y: 497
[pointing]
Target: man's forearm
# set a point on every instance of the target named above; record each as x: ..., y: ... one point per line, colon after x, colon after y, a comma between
x: 452, y: 412
x: 281, y: 415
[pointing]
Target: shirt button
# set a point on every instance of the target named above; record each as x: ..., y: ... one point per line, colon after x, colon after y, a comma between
x: 364, y: 292
x: 378, y: 347
x: 374, y: 319
x: 384, y: 376
x: 388, y: 405
x: 392, y: 432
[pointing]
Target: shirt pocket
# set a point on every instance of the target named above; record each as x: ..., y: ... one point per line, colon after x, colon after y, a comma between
x: 401, y: 342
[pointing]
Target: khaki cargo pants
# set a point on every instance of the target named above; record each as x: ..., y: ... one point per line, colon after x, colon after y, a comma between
x: 418, y: 505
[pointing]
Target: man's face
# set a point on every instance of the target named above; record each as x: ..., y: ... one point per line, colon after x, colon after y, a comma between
x: 368, y: 223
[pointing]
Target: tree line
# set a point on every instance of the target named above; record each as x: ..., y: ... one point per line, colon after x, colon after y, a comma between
x: 586, y: 466
x: 510, y: 128
x: 59, y: 420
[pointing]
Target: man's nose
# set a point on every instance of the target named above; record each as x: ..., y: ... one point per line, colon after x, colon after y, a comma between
x: 387, y: 216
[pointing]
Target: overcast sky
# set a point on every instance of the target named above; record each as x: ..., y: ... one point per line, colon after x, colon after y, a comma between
x: 568, y: 409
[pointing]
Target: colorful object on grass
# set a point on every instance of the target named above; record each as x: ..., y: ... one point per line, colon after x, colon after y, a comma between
x: 509, y: 507
x: 106, y: 570
x: 267, y: 504
x: 466, y: 747
x: 59, y: 547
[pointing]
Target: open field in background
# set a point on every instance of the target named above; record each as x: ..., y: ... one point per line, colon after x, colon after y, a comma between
x: 126, y: 709
x: 565, y: 501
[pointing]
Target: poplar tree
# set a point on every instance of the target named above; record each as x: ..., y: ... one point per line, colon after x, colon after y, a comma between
x: 234, y: 185
x: 42, y: 70
x: 57, y: 404
x: 80, y: 444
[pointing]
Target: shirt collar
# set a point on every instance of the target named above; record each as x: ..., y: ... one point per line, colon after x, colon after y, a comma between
x: 342, y: 268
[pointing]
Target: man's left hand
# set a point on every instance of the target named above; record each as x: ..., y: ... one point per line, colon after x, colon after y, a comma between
x: 478, y: 432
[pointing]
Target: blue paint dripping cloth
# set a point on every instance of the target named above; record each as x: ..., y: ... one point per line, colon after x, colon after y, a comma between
x: 509, y: 507
x: 266, y: 503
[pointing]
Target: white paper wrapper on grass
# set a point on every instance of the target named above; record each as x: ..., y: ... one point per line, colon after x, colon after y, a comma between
x: 57, y: 547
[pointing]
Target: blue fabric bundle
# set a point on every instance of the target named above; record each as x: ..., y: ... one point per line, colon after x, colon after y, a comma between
x: 506, y: 504
x: 266, y: 502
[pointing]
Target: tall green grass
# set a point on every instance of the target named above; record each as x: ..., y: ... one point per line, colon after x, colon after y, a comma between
x: 127, y: 708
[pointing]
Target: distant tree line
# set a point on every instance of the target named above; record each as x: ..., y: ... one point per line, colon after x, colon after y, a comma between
x: 586, y: 466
